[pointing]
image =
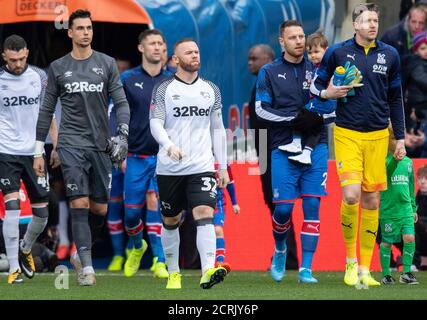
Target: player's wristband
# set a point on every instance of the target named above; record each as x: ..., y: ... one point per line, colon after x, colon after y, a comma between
x: 39, y: 150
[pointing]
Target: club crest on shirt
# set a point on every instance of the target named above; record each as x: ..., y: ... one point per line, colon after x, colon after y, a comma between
x: 98, y: 71
x: 34, y: 84
x: 205, y: 94
x: 381, y: 58
x: 308, y: 76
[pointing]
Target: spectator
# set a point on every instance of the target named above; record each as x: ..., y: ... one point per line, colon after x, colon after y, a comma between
x: 421, y: 225
x: 400, y: 35
x: 416, y: 79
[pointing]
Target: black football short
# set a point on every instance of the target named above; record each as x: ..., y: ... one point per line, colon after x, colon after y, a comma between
x: 179, y: 193
x: 13, y: 168
x: 87, y: 173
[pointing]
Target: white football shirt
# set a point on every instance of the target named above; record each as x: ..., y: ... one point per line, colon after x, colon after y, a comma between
x: 20, y: 99
x: 185, y: 110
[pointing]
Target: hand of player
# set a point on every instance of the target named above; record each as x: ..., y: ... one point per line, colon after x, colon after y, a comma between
x: 415, y: 217
x: 236, y: 208
x: 400, y: 151
x: 333, y: 92
x: 54, y: 159
x: 117, y: 149
x: 38, y: 166
x: 223, y: 178
x: 175, y: 153
x: 353, y: 76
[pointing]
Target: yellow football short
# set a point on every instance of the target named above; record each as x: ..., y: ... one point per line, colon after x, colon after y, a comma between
x: 361, y: 158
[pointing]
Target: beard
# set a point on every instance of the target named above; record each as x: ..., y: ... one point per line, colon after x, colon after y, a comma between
x: 189, y: 67
x: 17, y: 71
x: 295, y: 54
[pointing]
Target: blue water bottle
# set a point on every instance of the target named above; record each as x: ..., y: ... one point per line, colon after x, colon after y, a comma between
x: 339, y: 76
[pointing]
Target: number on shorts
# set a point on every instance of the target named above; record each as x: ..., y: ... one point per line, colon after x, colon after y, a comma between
x: 44, y: 182
x: 110, y: 180
x: 209, y: 184
x: 325, y: 176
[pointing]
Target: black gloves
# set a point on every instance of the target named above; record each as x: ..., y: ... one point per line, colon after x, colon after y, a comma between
x: 117, y: 147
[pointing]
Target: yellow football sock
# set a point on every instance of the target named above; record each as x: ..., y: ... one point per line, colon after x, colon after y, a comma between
x: 368, y: 235
x: 349, y: 224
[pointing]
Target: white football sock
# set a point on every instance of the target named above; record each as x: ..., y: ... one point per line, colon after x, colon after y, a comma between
x: 11, y: 238
x: 206, y: 245
x: 170, y: 242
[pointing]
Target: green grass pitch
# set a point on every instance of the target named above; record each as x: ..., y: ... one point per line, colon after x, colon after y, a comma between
x: 237, y: 286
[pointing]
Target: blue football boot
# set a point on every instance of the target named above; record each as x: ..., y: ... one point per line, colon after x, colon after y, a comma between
x: 278, y: 265
x: 305, y: 276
